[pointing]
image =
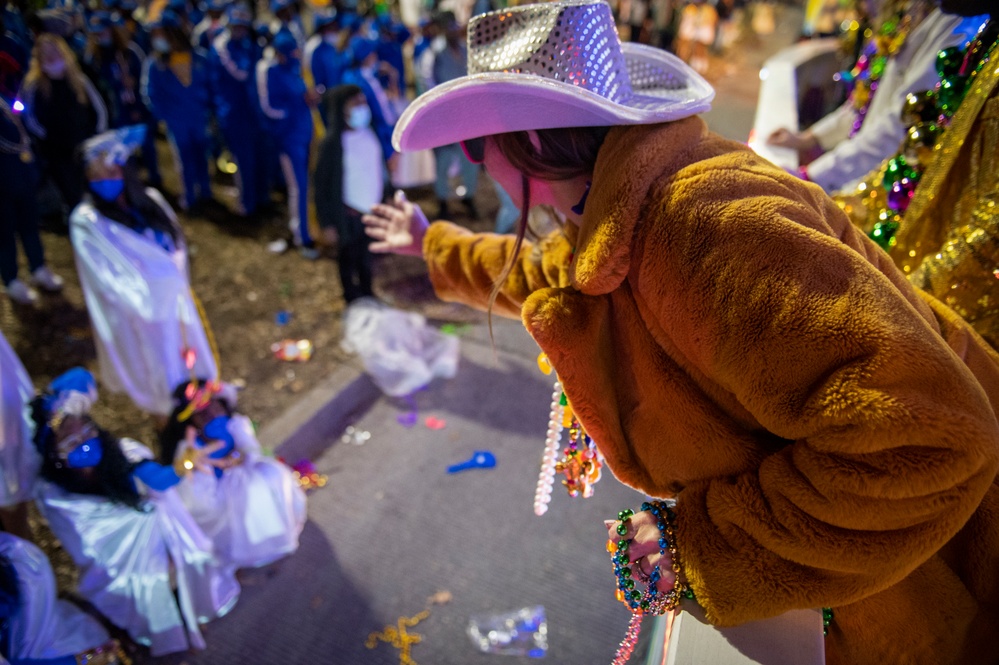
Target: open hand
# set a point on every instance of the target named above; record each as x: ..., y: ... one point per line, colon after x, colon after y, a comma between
x: 398, y: 227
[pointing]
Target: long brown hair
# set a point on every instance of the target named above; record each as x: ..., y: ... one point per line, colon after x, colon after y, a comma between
x: 36, y: 78
x: 560, y: 154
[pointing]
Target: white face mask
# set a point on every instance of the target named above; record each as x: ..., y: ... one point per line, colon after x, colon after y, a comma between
x: 359, y: 117
x: 161, y: 45
x: 55, y: 69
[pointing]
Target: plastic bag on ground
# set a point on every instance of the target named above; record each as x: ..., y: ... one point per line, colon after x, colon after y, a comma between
x: 400, y: 351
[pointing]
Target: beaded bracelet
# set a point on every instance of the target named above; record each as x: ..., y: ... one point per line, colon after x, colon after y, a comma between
x: 651, y: 601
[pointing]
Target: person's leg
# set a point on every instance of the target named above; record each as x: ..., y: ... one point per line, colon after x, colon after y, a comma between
x: 295, y: 166
x: 347, y: 267
x: 8, y: 239
x: 365, y: 260
x: 149, y: 157
x: 202, y: 146
x: 301, y: 166
x: 66, y: 176
x: 179, y: 150
x: 241, y: 143
x: 443, y: 157
x: 25, y: 206
x: 470, y: 179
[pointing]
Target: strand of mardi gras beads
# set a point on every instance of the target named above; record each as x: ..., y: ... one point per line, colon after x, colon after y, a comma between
x: 553, y: 442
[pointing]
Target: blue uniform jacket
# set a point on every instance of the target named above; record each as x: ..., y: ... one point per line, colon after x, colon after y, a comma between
x: 180, y: 107
x: 282, y: 101
x: 232, y: 67
x: 325, y: 62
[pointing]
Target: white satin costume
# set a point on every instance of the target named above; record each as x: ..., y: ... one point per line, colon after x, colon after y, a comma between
x: 255, y: 511
x: 19, y: 461
x: 140, y: 304
x: 130, y: 561
x: 44, y: 627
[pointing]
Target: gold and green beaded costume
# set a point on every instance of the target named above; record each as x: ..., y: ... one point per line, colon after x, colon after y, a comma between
x: 947, y: 240
x: 948, y: 244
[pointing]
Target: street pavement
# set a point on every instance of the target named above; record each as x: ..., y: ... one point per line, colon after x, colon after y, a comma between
x: 392, y: 529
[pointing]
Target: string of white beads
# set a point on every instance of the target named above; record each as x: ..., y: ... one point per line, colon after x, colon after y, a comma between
x: 553, y: 445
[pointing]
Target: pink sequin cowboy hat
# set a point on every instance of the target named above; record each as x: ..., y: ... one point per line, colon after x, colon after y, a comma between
x: 554, y: 64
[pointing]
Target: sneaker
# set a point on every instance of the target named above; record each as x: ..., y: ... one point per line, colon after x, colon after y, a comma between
x: 278, y: 246
x: 47, y: 280
x: 21, y: 293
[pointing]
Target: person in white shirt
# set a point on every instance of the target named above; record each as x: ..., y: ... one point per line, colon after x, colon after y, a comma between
x: 348, y: 182
x: 844, y: 158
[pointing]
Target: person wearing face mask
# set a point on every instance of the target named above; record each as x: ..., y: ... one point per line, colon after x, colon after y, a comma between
x: 19, y: 179
x: 383, y: 97
x: 115, y: 64
x: 286, y: 104
x: 348, y: 182
x: 117, y: 512
x: 62, y: 108
x: 176, y: 89
x: 232, y: 63
x: 147, y: 328
x: 251, y: 505
x: 287, y: 17
x: 323, y: 55
x: 450, y: 62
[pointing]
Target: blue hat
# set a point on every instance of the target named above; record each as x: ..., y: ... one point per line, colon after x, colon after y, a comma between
x: 278, y: 5
x: 284, y: 42
x: 99, y: 21
x: 350, y: 21
x: 239, y: 15
x: 361, y: 48
x: 324, y: 17
x: 116, y: 145
x: 71, y: 393
x: 168, y: 19
x: 216, y: 5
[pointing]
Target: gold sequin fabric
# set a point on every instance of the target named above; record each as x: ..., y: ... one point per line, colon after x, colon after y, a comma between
x: 948, y: 244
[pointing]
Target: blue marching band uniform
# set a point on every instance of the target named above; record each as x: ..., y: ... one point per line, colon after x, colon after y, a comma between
x: 234, y: 81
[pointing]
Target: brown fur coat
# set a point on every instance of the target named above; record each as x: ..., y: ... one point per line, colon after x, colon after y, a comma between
x: 727, y: 336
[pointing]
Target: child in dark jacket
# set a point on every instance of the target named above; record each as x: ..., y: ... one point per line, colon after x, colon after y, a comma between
x: 348, y: 180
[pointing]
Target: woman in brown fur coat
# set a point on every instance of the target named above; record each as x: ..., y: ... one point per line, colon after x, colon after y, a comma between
x: 729, y: 339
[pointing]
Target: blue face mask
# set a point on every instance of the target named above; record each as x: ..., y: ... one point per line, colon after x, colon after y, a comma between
x: 217, y: 429
x: 85, y: 455
x: 109, y: 189
x: 359, y: 117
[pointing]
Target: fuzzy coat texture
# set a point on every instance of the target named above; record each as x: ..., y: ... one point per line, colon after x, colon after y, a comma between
x: 728, y: 337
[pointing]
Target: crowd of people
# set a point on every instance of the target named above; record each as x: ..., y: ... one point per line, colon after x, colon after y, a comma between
x: 811, y: 402
x: 231, y: 89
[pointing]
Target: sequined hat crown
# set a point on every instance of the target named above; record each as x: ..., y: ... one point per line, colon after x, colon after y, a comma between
x: 556, y: 64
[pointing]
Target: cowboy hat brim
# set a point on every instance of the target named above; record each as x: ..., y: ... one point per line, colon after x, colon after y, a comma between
x: 498, y: 102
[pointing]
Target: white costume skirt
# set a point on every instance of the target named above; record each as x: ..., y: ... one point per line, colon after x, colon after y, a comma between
x: 255, y: 512
x: 44, y: 627
x: 130, y: 560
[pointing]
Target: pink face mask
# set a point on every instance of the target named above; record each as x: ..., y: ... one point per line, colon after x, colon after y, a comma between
x: 54, y: 69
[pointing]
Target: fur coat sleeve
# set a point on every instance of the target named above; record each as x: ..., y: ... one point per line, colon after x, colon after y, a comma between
x: 464, y: 266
